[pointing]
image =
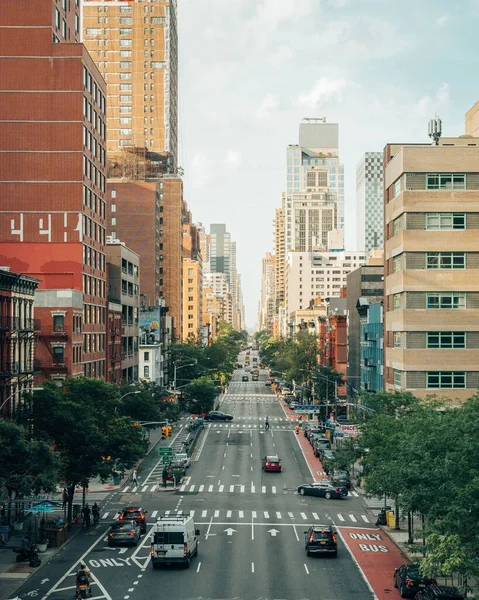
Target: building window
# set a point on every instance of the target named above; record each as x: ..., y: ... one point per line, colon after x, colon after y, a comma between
x: 146, y: 356
x: 397, y: 302
x: 446, y: 300
x: 396, y: 264
x: 446, y: 339
x: 89, y: 31
x: 397, y: 188
x: 125, y: 75
x: 397, y: 339
x: 445, y: 260
x: 146, y: 371
x: 397, y: 378
x: 113, y: 221
x: 446, y: 181
x: 125, y: 43
x: 58, y: 323
x: 446, y: 221
x: 59, y: 354
x: 125, y: 53
x: 125, y: 64
x: 446, y: 379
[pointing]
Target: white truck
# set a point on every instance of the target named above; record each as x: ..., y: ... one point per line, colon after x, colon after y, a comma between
x: 175, y: 540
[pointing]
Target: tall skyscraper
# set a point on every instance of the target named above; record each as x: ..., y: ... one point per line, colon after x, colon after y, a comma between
x: 53, y: 180
x: 431, y: 288
x: 314, y: 164
x: 280, y: 253
x: 369, y: 202
x: 135, y: 46
x: 267, y: 299
x: 220, y: 249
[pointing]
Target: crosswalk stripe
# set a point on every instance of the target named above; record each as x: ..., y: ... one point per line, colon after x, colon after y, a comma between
x: 290, y: 514
x: 228, y: 514
x: 303, y: 516
x: 204, y: 513
x: 353, y: 518
x: 154, y: 488
x: 125, y: 489
x: 253, y: 489
x: 278, y: 515
x: 201, y: 488
x: 210, y: 488
x: 354, y: 494
x: 222, y: 487
x: 192, y: 513
x: 192, y: 488
x: 182, y: 488
x: 217, y: 514
x: 134, y: 489
x: 241, y: 489
x: 274, y: 489
x: 232, y: 488
x: 167, y: 512
x: 365, y: 519
x: 266, y: 515
x: 144, y: 488
x: 241, y: 514
x: 340, y: 517
x: 154, y: 513
x: 105, y: 515
x: 263, y: 489
x: 315, y: 516
x: 253, y: 514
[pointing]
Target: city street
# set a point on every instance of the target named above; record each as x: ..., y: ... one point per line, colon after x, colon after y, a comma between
x: 252, y: 523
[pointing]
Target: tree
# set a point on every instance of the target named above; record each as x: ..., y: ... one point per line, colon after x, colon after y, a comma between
x: 152, y: 403
x: 83, y: 423
x: 27, y: 466
x: 325, y: 379
x: 200, y: 395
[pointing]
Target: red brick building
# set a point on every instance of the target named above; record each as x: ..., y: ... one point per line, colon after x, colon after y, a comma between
x: 52, y: 179
x: 114, y: 354
x: 333, y: 339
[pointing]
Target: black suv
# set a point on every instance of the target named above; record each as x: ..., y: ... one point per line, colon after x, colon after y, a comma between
x: 439, y: 592
x: 321, y: 539
x: 217, y: 415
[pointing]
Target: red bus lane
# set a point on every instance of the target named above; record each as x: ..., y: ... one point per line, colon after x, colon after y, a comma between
x: 376, y: 556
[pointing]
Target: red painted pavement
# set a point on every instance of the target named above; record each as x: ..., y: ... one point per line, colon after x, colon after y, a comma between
x: 377, y: 557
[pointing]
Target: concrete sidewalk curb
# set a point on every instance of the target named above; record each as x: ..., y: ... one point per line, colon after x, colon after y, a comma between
x: 397, y: 543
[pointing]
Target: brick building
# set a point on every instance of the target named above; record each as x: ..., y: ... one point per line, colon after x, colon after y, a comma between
x: 16, y: 338
x: 52, y: 177
x: 192, y: 281
x: 114, y: 354
x: 333, y: 339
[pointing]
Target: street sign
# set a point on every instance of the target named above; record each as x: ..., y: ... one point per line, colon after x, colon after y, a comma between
x: 165, y: 451
x: 307, y: 408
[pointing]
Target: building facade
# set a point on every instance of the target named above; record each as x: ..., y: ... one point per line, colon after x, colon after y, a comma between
x: 371, y: 341
x: 431, y: 302
x: 280, y: 254
x: 114, y: 353
x: 365, y: 283
x: 135, y: 47
x: 17, y: 340
x: 53, y: 171
x: 333, y: 340
x: 192, y: 288
x: 313, y: 274
x: 124, y: 288
x: 314, y: 163
x: 370, y: 202
x: 267, y: 303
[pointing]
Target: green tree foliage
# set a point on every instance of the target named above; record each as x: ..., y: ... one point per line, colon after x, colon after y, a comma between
x: 152, y: 403
x: 324, y: 379
x: 426, y: 455
x: 200, y: 395
x: 83, y: 423
x: 27, y: 466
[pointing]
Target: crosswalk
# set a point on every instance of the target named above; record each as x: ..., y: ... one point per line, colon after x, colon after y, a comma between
x: 233, y: 488
x: 259, y: 426
x: 272, y: 516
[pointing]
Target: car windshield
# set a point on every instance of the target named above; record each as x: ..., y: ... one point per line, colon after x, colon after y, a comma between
x: 272, y: 459
x: 122, y: 526
x: 413, y: 572
x: 130, y: 514
x: 321, y: 535
x: 180, y: 456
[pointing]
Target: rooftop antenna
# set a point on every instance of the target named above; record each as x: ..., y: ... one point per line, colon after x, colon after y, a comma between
x: 435, y: 129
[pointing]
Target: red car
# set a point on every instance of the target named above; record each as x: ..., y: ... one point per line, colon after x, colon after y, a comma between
x: 271, y: 463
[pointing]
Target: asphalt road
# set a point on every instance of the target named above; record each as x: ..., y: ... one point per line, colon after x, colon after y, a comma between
x: 252, y: 523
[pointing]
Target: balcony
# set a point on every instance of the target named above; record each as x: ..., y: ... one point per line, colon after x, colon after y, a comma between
x: 5, y: 323
x: 19, y: 367
x: 51, y: 364
x: 17, y: 323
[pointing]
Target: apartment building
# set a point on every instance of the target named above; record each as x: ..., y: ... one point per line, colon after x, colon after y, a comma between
x: 53, y: 179
x: 192, y: 281
x: 135, y: 47
x: 124, y: 289
x: 370, y: 202
x: 267, y: 304
x: 431, y: 303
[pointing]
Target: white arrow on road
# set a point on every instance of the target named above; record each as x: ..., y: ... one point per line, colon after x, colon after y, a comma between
x: 44, y: 581
x: 230, y: 531
x: 273, y: 532
x: 122, y: 550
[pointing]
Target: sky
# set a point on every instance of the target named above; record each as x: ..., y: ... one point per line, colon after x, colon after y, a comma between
x: 251, y: 70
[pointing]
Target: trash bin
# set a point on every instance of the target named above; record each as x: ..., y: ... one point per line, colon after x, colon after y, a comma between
x: 390, y: 518
x: 116, y: 477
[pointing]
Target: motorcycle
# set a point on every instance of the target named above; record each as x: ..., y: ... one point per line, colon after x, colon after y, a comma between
x: 83, y: 589
x: 28, y: 554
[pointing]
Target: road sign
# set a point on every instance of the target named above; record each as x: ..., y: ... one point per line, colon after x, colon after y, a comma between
x: 165, y: 451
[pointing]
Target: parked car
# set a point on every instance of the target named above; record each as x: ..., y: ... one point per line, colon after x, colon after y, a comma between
x: 313, y: 430
x: 272, y: 463
x: 124, y: 532
x: 134, y: 513
x: 316, y: 436
x: 325, y: 454
x: 439, y: 592
x: 267, y: 383
x: 340, y: 477
x: 320, y: 443
x: 409, y: 580
x: 245, y: 378
x: 323, y: 489
x: 217, y: 415
x: 321, y: 539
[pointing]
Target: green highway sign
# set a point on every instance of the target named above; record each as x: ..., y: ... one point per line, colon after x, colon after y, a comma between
x: 166, y: 459
x: 165, y: 451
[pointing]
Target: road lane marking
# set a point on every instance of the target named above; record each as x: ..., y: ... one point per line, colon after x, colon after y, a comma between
x: 340, y: 517
x: 241, y: 514
x: 252, y: 567
x: 209, y: 528
x: 263, y: 489
x: 303, y: 515
x: 217, y: 514
x: 198, y: 567
x: 315, y: 516
x: 365, y: 519
x: 210, y: 488
x: 204, y: 513
x: 353, y: 518
x: 306, y: 569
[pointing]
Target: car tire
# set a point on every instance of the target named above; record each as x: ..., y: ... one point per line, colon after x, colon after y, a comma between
x: 335, y: 554
x: 155, y: 566
x: 327, y: 495
x: 395, y: 583
x: 188, y: 562
x: 308, y: 553
x: 301, y: 491
x: 402, y: 592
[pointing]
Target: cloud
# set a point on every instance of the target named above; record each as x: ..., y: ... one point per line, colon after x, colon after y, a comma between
x: 233, y: 159
x: 282, y: 55
x: 202, y: 171
x: 442, y: 20
x: 339, y: 3
x: 323, y: 91
x: 427, y: 105
x: 268, y: 106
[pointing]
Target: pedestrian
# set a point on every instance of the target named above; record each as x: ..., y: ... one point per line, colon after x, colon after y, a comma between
x: 65, y: 498
x: 164, y: 476
x: 135, y: 478
x: 86, y: 516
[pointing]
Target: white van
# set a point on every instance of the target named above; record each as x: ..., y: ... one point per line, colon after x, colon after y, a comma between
x: 175, y: 539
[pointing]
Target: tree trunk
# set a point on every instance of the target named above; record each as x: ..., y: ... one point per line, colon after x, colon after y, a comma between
x: 397, y: 527
x: 423, y: 534
x: 410, y: 528
x: 71, y: 494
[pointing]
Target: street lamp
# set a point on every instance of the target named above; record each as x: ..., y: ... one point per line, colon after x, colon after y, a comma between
x: 181, y: 367
x: 128, y: 393
x: 33, y: 389
x: 327, y: 391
